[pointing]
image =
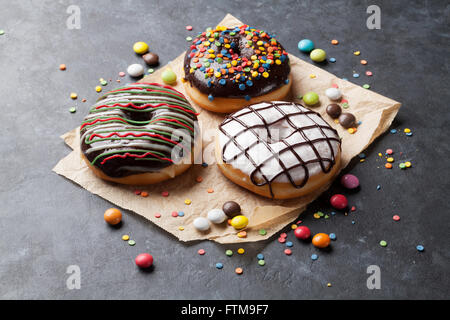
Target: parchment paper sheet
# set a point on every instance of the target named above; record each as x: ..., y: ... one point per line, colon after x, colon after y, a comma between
x: 375, y: 111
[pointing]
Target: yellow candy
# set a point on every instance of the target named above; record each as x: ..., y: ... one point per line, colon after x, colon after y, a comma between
x: 140, y: 47
x: 240, y: 251
x: 294, y: 226
x: 265, y: 74
x: 357, y: 53
x: 210, y: 50
x: 73, y: 95
x: 390, y: 159
x: 125, y: 237
x: 407, y: 130
x: 181, y: 228
x: 98, y: 89
x: 187, y: 201
x: 408, y: 164
x: 254, y: 74
x: 234, y: 63
x: 253, y: 57
x: 218, y: 74
x: 278, y: 61
x: 239, y: 222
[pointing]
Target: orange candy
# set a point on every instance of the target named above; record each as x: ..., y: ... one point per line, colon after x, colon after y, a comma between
x: 113, y: 216
x: 334, y: 41
x: 321, y: 240
x: 388, y: 165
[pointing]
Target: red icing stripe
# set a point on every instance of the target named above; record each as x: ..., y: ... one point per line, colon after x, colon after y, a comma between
x: 145, y: 106
x: 132, y: 134
x: 134, y: 156
x: 101, y: 120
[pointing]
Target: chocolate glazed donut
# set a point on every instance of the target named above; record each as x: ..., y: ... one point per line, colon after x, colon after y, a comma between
x: 241, y: 62
x: 137, y: 129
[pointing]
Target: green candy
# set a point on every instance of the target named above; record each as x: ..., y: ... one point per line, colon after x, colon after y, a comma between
x: 169, y: 77
x: 229, y: 253
x: 311, y: 98
x: 318, y: 55
x: 261, y: 262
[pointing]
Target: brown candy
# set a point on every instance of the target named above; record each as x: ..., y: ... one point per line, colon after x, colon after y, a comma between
x: 347, y: 120
x: 334, y: 110
x: 151, y: 58
x: 231, y: 209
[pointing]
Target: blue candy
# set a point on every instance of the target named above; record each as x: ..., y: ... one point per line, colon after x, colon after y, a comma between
x: 305, y: 45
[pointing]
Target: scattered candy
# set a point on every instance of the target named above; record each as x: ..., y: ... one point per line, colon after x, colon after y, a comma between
x: 98, y: 89
x: 210, y: 190
x: 175, y: 214
x: 357, y: 53
x: 302, y: 233
x: 293, y: 226
x: 122, y: 74
x: 187, y: 201
x: 334, y: 110
x: 140, y: 47
x: 157, y: 215
x: 239, y: 271
x: 332, y: 236
x: 305, y: 45
x: 242, y: 234
x: 349, y: 181
x: 181, y: 228
x: 332, y: 60
x: 321, y: 240
x: 369, y: 73
x: 281, y: 240
x: 201, y: 224
x: 201, y: 252
x: 356, y: 75
x: 334, y: 42
x: 216, y: 216
x: 229, y: 253
x: 169, y: 77
x: 388, y: 165
x: 311, y: 98
x: 125, y: 237
x: 289, y: 244
x: 219, y: 265
x: 135, y: 70
x: 144, y: 194
x: 383, y: 243
x: 408, y: 164
x: 402, y: 166
x: 333, y: 93
x: 283, y: 235
x: 180, y: 213
x: 2, y: 32
x: 262, y: 232
x: 420, y: 248
x: 396, y: 218
x: 131, y: 242
x: 339, y: 201
x: 73, y: 95
x: 151, y: 58
x: 366, y: 86
x: 287, y: 252
x: 165, y: 193
x: 241, y: 251
x: 62, y: 67
x: 144, y: 260
x: 189, y: 28
x: 112, y: 216
x: 347, y: 120
x: 318, y: 55
x: 261, y: 262
x: 363, y: 62
x: 260, y: 256
x: 314, y: 256
x: 390, y: 159
x: 239, y: 222
x: 150, y: 71
x: 72, y: 110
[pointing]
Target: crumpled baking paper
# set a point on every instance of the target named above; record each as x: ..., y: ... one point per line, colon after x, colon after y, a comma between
x: 375, y: 112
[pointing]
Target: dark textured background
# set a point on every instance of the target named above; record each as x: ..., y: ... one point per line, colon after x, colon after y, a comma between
x: 48, y: 223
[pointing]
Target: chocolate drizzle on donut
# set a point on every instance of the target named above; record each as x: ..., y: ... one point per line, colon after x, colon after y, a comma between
x: 139, y: 128
x: 326, y: 163
x: 239, y: 62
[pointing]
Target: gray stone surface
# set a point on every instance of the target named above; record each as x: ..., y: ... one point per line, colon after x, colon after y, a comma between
x: 48, y: 223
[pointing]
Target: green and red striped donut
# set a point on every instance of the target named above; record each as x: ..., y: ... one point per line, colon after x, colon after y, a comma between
x: 138, y: 128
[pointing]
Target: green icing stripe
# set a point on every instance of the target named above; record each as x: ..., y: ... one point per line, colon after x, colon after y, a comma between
x: 129, y: 151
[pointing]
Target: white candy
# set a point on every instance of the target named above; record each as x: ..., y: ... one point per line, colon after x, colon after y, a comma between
x: 217, y: 216
x: 333, y: 93
x: 201, y: 224
x: 135, y: 70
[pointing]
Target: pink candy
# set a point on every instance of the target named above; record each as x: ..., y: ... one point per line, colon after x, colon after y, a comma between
x: 339, y: 201
x: 349, y: 181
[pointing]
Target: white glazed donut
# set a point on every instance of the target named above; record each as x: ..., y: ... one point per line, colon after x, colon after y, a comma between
x: 278, y: 149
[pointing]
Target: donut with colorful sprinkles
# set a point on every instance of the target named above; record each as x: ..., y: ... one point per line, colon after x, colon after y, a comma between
x: 226, y: 69
x: 142, y: 133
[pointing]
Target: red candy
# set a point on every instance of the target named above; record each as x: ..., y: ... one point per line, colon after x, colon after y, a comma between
x: 144, y: 260
x: 302, y: 232
x: 339, y: 201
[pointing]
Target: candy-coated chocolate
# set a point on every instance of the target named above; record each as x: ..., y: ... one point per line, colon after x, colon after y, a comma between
x: 339, y: 201
x: 151, y: 58
x: 302, y: 232
x: 239, y: 222
x: 216, y: 216
x: 169, y: 77
x: 311, y: 98
x: 334, y: 110
x: 318, y: 55
x: 113, y: 216
x: 135, y: 70
x: 201, y: 224
x: 305, y: 45
x: 231, y: 209
x: 321, y: 240
x: 140, y: 47
x: 144, y: 260
x: 333, y: 93
x: 347, y: 120
x: 349, y: 181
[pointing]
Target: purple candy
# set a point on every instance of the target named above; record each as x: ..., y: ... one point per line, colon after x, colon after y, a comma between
x: 349, y: 181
